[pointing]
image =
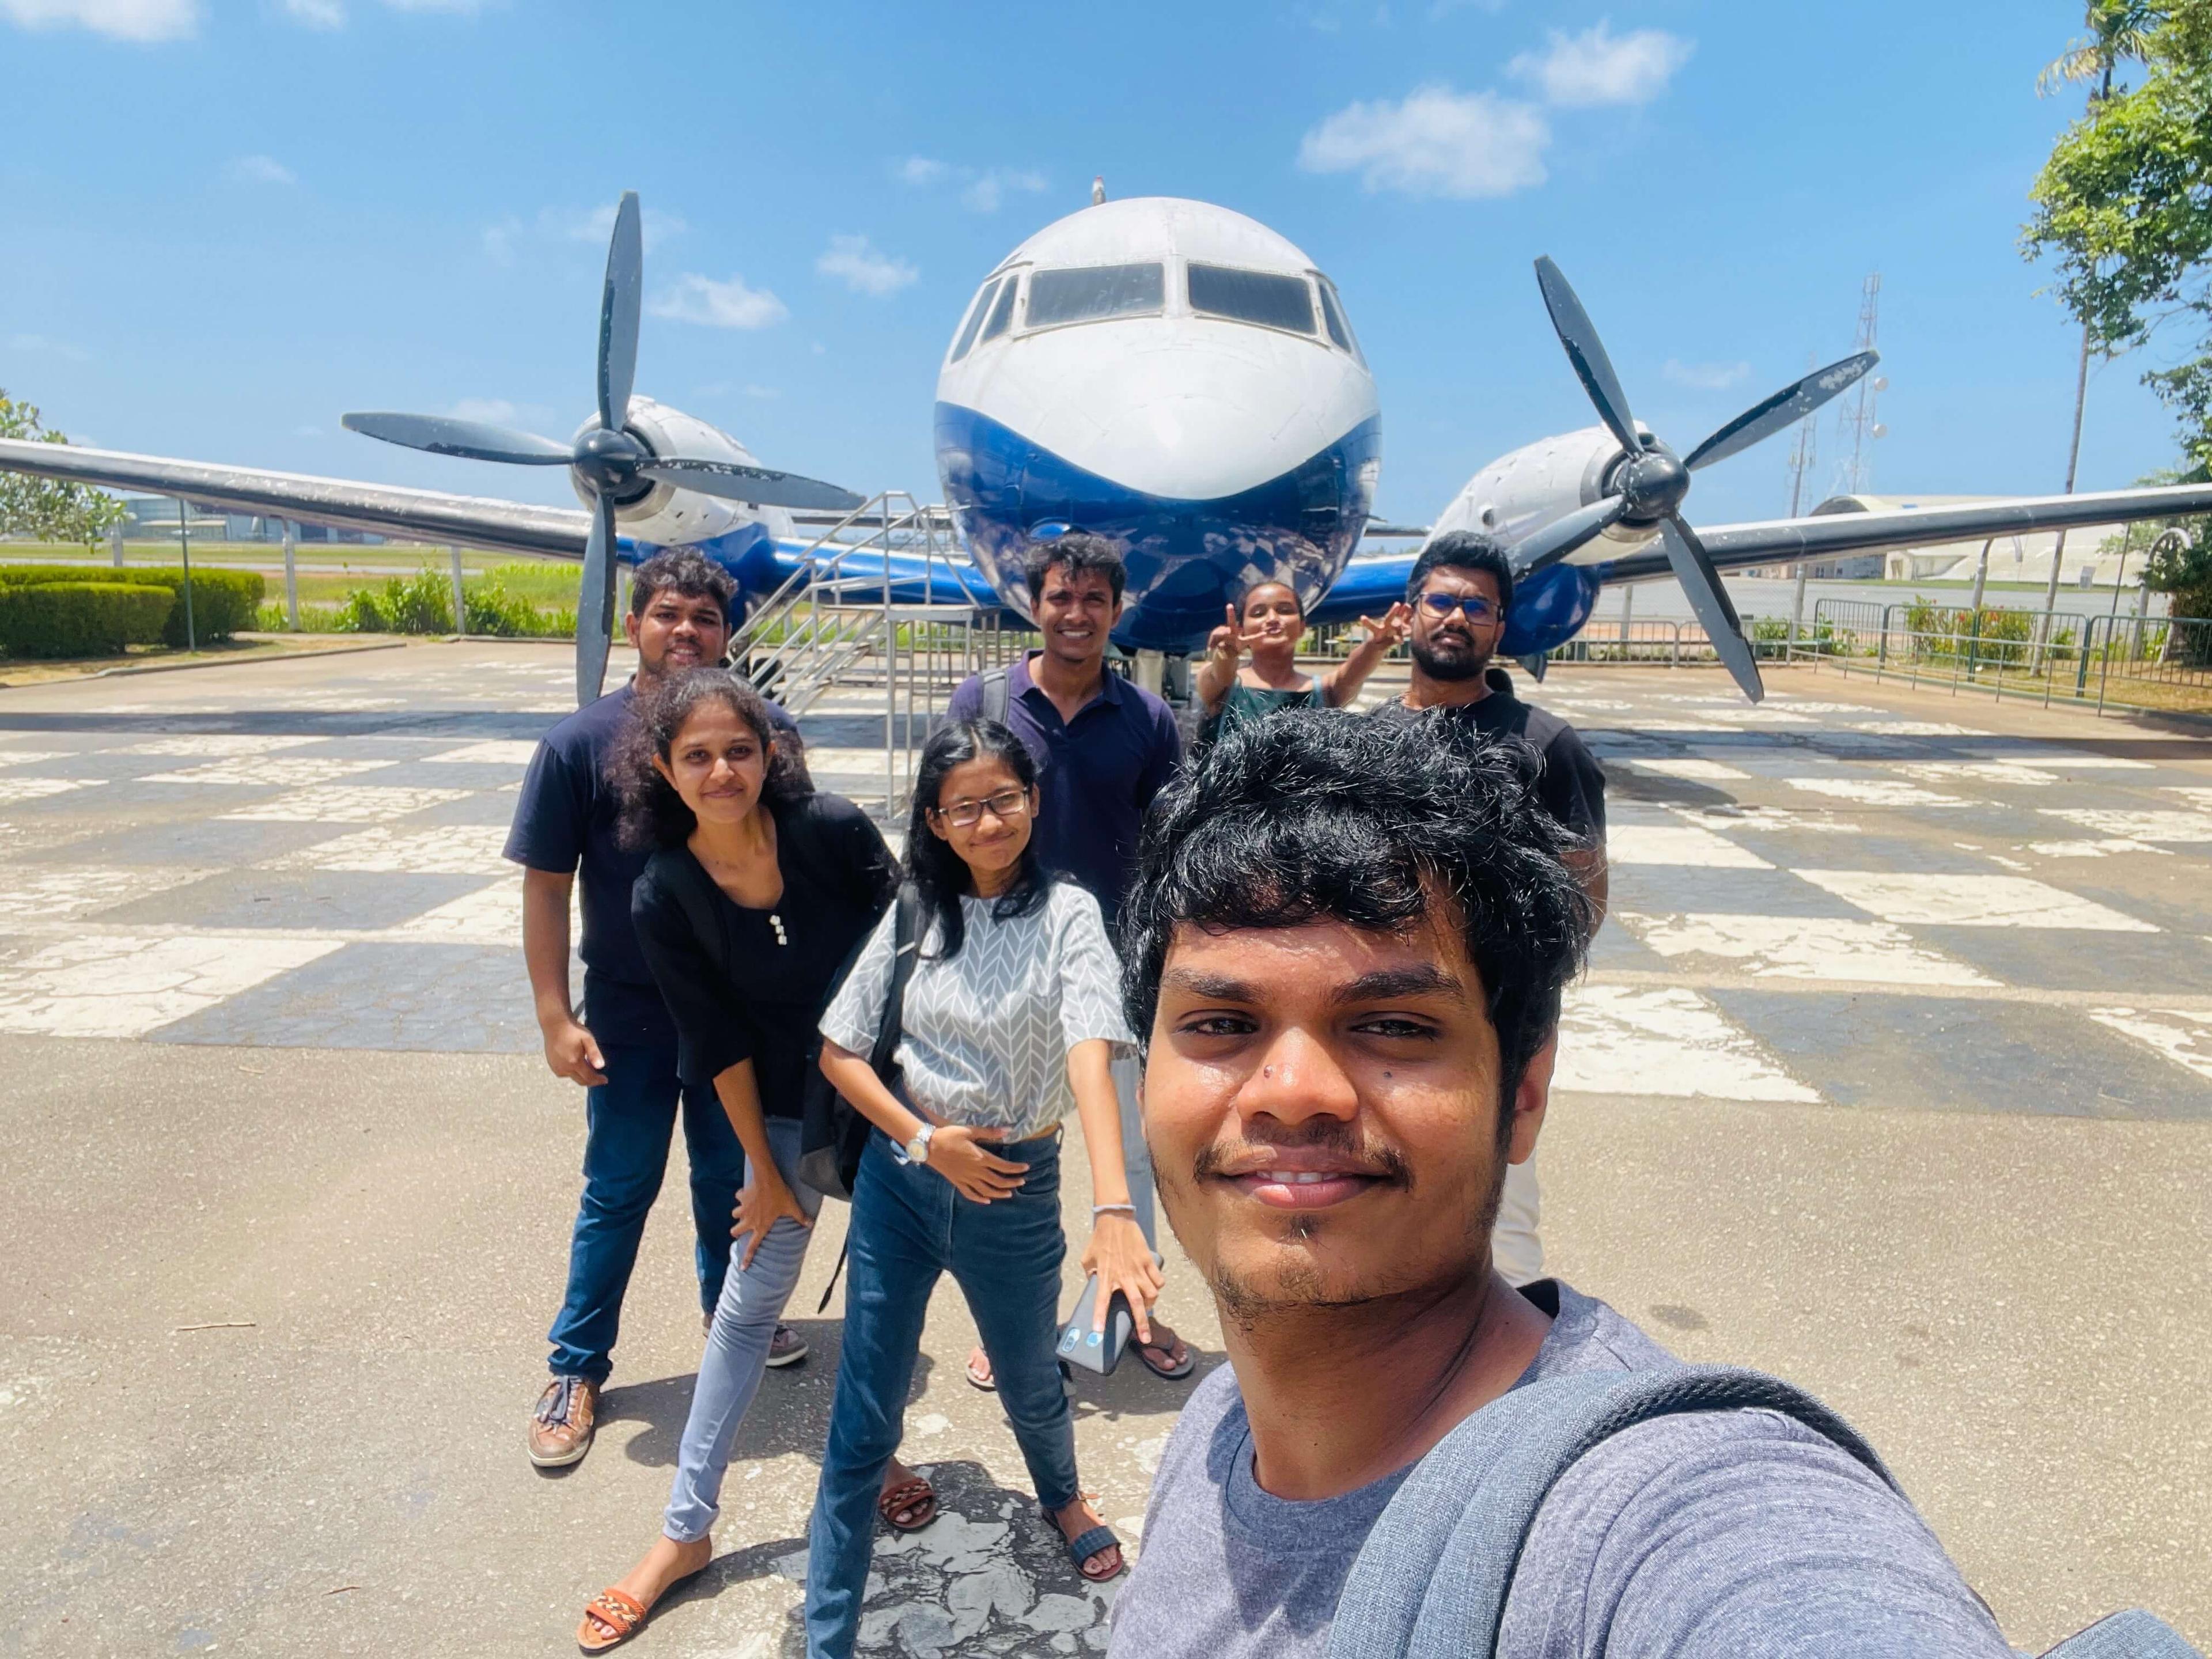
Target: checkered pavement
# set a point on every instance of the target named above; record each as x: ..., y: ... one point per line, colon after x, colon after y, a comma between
x: 1817, y: 900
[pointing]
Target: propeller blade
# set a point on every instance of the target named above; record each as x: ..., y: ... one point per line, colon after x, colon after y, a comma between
x: 1693, y: 569
x: 595, y: 604
x: 736, y: 481
x: 1554, y: 542
x: 1785, y: 408
x: 1587, y: 353
x: 1535, y: 662
x: 618, y: 309
x: 474, y: 440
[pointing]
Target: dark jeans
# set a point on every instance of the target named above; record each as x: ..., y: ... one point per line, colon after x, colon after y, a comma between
x: 908, y: 1226
x: 631, y: 1119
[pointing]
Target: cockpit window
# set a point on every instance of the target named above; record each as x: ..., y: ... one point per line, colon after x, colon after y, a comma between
x: 976, y: 315
x: 1332, y: 313
x: 1003, y: 313
x: 1252, y: 296
x: 1091, y: 291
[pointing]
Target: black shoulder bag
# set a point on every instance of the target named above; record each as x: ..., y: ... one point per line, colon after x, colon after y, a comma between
x: 834, y: 1132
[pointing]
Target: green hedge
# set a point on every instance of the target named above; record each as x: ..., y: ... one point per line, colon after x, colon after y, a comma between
x: 80, y: 619
x: 223, y: 601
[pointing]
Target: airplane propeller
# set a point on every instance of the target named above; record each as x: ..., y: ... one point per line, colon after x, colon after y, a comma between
x: 614, y: 464
x: 1651, y: 481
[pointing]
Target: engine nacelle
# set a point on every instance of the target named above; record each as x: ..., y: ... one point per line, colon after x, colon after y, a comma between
x: 1521, y: 493
x: 669, y: 516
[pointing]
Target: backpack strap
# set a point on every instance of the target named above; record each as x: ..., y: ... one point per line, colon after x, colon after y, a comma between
x: 1431, y: 1580
x: 906, y: 946
x: 997, y: 697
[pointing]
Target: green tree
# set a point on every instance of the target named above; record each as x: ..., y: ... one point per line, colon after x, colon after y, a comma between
x: 45, y: 508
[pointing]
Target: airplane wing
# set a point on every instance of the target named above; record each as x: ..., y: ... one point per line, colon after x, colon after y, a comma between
x: 467, y: 520
x: 1369, y: 585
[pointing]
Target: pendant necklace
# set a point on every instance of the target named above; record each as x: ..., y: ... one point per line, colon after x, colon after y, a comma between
x: 776, y: 922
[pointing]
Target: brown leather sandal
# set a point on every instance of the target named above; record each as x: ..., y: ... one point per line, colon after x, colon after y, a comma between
x: 611, y: 1619
x: 916, y: 1499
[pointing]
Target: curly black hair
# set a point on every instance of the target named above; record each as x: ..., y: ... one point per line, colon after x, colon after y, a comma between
x: 937, y: 871
x: 652, y: 815
x: 686, y: 571
x: 1366, y: 820
x: 1078, y: 551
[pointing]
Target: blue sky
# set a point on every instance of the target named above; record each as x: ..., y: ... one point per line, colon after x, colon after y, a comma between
x: 228, y: 223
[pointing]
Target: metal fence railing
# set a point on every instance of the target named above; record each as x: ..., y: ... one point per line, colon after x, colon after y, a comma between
x: 2134, y: 662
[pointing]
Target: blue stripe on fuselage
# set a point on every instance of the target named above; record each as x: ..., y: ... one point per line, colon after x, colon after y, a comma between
x: 1186, y: 559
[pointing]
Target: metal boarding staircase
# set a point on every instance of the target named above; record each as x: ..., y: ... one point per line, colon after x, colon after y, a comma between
x: 833, y: 623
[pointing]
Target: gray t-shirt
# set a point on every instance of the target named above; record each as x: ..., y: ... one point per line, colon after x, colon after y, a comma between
x: 1735, y: 1535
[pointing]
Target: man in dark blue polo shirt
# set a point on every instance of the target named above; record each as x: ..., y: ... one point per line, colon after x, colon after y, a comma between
x: 1103, y: 748
x: 623, y: 1050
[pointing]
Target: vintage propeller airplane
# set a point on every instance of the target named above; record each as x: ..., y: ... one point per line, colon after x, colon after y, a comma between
x: 1167, y: 372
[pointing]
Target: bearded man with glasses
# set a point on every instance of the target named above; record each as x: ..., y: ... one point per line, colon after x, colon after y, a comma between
x: 1459, y: 591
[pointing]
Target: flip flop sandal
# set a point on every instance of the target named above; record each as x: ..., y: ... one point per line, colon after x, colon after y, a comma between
x: 982, y: 1379
x: 1174, y: 1368
x: 620, y: 1613
x: 1095, y: 1541
x: 916, y: 1494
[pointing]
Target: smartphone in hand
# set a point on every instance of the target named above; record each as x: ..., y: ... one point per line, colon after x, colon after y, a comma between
x: 1080, y: 1343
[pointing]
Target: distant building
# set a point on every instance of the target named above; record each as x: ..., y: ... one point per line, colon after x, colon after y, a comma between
x: 153, y: 517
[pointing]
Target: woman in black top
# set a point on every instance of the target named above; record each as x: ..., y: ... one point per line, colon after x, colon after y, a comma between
x: 757, y: 891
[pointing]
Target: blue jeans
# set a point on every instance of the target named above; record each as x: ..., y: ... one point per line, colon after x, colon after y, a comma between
x: 631, y: 1119
x: 908, y: 1225
x: 736, y: 1350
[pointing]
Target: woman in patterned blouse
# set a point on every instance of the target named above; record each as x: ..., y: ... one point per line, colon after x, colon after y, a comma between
x: 1010, y: 1016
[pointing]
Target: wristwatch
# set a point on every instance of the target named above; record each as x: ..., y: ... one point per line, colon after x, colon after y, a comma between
x: 917, y: 1149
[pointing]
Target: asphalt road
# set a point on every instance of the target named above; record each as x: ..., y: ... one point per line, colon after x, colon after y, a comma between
x: 1892, y: 1073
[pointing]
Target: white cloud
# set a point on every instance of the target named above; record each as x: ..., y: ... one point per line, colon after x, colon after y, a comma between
x: 259, y: 170
x: 982, y: 189
x: 987, y: 192
x: 316, y: 14
x: 1706, y: 377
x: 499, y: 240
x: 598, y: 224
x: 696, y: 298
x: 1596, y: 67
x: 51, y: 348
x: 142, y: 20
x: 1436, y: 142
x: 863, y: 269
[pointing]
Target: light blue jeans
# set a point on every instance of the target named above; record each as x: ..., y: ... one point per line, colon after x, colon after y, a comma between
x: 737, y: 1349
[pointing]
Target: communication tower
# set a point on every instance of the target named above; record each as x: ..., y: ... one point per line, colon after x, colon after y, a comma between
x: 1855, y: 426
x: 1802, y: 452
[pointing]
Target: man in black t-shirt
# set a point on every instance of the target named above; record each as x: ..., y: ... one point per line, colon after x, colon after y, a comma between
x: 623, y: 1050
x: 1460, y: 589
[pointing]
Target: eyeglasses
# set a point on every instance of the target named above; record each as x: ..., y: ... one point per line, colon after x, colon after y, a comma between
x: 1006, y: 805
x: 1476, y: 608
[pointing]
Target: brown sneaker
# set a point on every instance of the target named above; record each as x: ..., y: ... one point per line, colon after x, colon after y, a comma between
x: 786, y: 1347
x: 561, y: 1427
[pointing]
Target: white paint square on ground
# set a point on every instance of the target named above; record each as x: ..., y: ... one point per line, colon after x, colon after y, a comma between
x: 2011, y: 772
x: 1772, y: 819
x: 118, y: 985
x: 33, y: 756
x: 1710, y: 726
x: 36, y: 893
x: 1970, y: 901
x: 2094, y: 849
x: 1698, y: 771
x: 345, y: 804
x: 1633, y: 1040
x: 213, y: 745
x: 1760, y: 714
x: 38, y: 789
x: 461, y: 849
x: 1919, y: 729
x: 490, y: 915
x: 269, y: 771
x: 1803, y: 947
x: 2155, y: 826
x: 493, y: 751
x: 2071, y: 760
x: 2201, y: 797
x: 1874, y: 791
x: 1678, y: 844
x: 2184, y: 1039
x: 1813, y: 706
